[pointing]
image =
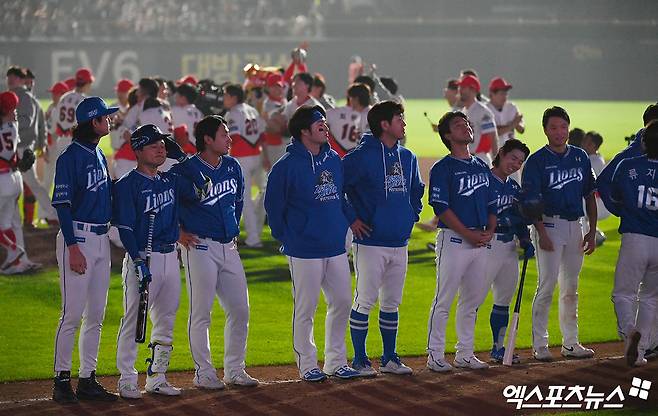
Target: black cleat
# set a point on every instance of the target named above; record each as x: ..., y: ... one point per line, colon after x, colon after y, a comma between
x: 91, y: 389
x: 62, y: 391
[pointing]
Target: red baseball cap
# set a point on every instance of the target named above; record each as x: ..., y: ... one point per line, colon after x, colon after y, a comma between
x: 70, y: 83
x: 84, y: 76
x: 470, y: 81
x: 275, y: 79
x: 8, y: 101
x: 188, y: 79
x: 123, y: 85
x: 59, y: 88
x: 499, y: 83
x: 180, y: 132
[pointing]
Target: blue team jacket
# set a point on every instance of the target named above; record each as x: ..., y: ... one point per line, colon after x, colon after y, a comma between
x: 304, y: 202
x: 384, y: 188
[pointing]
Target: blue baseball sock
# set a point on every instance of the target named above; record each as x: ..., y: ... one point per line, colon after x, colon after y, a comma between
x: 388, y: 326
x: 498, y: 320
x: 359, y: 332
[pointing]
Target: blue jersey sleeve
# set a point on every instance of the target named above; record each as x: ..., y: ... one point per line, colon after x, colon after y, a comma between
x: 492, y: 199
x: 65, y: 174
x: 589, y: 181
x: 417, y: 190
x: 531, y: 179
x: 124, y: 215
x: 351, y: 175
x: 239, y: 195
x: 275, y: 201
x: 439, y: 193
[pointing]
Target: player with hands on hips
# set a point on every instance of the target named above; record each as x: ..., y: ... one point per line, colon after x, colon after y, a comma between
x: 82, y: 198
x: 382, y: 181
x: 145, y: 205
x: 634, y: 192
x: 461, y: 197
x: 210, y: 256
x: 503, y: 265
x: 305, y: 207
x: 559, y: 176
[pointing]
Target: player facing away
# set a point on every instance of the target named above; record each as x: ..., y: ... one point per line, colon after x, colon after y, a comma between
x: 560, y: 176
x: 461, y: 197
x: 145, y: 202
x: 634, y: 191
x: 11, y: 183
x: 210, y: 256
x: 503, y: 264
x: 304, y: 203
x: 82, y: 197
x: 382, y: 182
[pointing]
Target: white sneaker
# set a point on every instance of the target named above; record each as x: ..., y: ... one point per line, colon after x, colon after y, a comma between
x: 129, y: 390
x: 241, y: 379
x: 32, y: 266
x: 542, y: 354
x: 158, y: 384
x: 21, y: 267
x: 208, y: 382
x: 576, y: 351
x: 471, y: 362
x: 439, y: 365
x: 395, y: 366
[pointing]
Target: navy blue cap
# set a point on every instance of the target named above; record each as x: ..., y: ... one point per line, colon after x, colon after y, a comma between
x: 145, y: 135
x: 91, y: 108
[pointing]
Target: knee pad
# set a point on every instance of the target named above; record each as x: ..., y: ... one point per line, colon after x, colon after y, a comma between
x: 159, y: 361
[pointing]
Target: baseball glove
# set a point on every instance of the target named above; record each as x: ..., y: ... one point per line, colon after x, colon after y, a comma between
x: 26, y: 161
x: 532, y: 209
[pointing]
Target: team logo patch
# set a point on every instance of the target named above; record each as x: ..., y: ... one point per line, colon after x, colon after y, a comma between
x: 201, y: 247
x: 325, y: 189
x: 455, y: 240
x: 549, y: 225
x: 395, y: 178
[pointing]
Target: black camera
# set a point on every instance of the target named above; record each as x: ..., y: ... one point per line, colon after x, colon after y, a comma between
x: 210, y: 100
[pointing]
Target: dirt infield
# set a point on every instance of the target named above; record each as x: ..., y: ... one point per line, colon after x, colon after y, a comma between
x: 464, y: 392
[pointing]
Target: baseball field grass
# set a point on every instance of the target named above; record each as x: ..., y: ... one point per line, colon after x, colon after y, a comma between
x: 30, y: 304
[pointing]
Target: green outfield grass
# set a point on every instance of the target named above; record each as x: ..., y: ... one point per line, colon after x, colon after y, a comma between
x: 31, y: 304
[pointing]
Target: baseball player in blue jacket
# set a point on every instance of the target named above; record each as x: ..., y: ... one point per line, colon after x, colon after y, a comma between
x: 382, y: 181
x: 559, y: 175
x: 143, y: 195
x: 503, y: 265
x: 213, y: 267
x: 82, y: 198
x: 634, y: 190
x: 304, y: 201
x: 461, y: 197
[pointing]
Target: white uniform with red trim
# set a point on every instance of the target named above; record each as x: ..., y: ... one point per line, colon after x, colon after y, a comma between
x: 273, y: 143
x: 188, y: 115
x: 484, y: 130
x: 344, y: 125
x: 503, y: 117
x: 293, y: 105
x: 363, y: 121
x: 65, y: 119
x: 11, y: 186
x: 245, y: 127
x: 49, y: 166
x: 124, y: 159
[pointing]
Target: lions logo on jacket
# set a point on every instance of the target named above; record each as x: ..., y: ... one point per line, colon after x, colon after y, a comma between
x: 326, y: 190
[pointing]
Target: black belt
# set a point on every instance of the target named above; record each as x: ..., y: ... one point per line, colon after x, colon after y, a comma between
x: 92, y: 228
x: 164, y: 249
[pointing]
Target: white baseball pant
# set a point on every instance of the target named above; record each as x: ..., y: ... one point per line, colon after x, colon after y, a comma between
x: 164, y: 296
x: 46, y: 210
x: 11, y: 186
x: 636, y: 277
x: 84, y: 297
x: 460, y: 266
x: 254, y: 210
x: 380, y: 274
x: 215, y: 269
x: 309, y: 276
x: 502, y: 270
x: 49, y: 167
x: 561, y: 265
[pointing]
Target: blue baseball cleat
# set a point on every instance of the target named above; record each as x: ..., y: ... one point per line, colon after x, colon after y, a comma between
x: 315, y: 375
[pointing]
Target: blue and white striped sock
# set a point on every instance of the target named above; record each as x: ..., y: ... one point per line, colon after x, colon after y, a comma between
x: 359, y: 332
x: 388, y: 326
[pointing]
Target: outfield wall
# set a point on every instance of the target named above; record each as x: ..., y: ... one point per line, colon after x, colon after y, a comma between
x: 565, y: 68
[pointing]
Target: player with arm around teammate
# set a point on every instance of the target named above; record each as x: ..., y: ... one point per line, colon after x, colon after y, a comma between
x: 210, y: 256
x: 304, y: 203
x: 634, y: 190
x: 503, y: 264
x: 382, y: 181
x: 145, y: 202
x: 560, y: 176
x: 466, y: 207
x: 82, y: 198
